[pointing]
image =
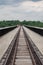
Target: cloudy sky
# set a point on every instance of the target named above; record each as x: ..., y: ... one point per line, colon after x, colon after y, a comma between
x: 21, y: 9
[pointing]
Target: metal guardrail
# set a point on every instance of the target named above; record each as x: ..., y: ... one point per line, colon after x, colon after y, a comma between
x: 1, y: 28
x: 6, y: 29
x: 36, y: 29
x: 34, y: 50
x: 6, y: 56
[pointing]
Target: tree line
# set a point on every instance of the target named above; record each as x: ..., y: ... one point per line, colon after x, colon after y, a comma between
x: 17, y: 22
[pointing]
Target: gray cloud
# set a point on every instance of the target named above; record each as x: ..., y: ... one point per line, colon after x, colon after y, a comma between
x: 36, y: 0
x: 10, y: 2
x: 21, y: 9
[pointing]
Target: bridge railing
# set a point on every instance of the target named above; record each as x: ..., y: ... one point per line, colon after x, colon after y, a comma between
x: 6, y: 29
x: 36, y: 29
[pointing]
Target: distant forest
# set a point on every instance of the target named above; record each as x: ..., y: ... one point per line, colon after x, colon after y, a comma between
x: 17, y: 22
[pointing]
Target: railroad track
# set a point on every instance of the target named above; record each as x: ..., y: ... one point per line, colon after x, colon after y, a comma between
x: 20, y: 53
x: 22, y: 56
